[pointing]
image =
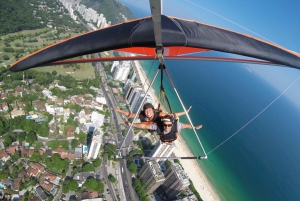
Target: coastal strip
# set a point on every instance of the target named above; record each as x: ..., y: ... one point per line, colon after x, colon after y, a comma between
x: 191, y: 167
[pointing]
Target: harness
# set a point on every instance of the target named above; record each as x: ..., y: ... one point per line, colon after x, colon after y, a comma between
x: 171, y: 136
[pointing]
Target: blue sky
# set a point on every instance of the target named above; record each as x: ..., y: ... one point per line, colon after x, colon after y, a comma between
x: 273, y: 20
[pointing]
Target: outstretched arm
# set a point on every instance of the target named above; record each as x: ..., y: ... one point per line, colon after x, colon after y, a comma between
x: 126, y: 113
x: 190, y: 126
x: 178, y: 114
x: 144, y: 125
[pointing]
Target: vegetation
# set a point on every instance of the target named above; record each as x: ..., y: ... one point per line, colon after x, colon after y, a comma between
x: 140, y: 191
x: 132, y: 166
x: 93, y: 184
x: 110, y: 151
x: 110, y: 9
x: 88, y: 167
x: 111, y: 178
x: 168, y: 163
x: 16, y: 16
x: 69, y: 185
x: 193, y: 189
x: 56, y: 164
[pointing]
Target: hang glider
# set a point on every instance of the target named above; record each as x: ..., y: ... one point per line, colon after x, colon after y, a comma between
x: 179, y: 37
x: 160, y: 37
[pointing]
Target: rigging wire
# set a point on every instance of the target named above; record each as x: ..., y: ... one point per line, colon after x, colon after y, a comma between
x: 186, y: 113
x: 120, y: 148
x: 255, y: 116
x: 235, y: 23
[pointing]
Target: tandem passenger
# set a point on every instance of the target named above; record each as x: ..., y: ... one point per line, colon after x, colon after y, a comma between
x: 149, y: 114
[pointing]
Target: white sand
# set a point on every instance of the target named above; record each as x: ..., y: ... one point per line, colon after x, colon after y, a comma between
x: 191, y: 167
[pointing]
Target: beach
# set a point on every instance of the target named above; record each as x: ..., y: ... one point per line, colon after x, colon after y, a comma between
x: 191, y: 167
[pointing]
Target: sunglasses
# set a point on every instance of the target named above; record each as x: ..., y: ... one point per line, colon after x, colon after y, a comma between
x: 167, y: 125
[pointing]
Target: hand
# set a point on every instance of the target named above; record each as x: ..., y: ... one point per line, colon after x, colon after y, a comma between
x: 127, y: 123
x: 116, y: 109
x: 198, y: 127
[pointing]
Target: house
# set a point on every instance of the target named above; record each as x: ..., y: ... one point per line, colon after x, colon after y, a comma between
x: 78, y: 100
x: 3, y: 96
x: 18, y: 91
x: 52, y: 128
x: 46, y: 92
x: 14, y: 113
x: 39, y: 106
x: 26, y: 151
x: 54, y: 179
x: 59, y: 101
x: 35, y: 169
x: 70, y: 132
x: 8, y: 182
x: 21, y: 105
x: 63, y: 153
x: 4, y: 156
x: 87, y: 113
x: 81, y: 177
x: 86, y: 194
x: 16, y: 185
x: 46, y: 185
x: 24, y: 175
x: 12, y: 149
x: 78, y: 153
x: 97, y: 105
x: 4, y: 107
x: 87, y: 103
x: 40, y: 193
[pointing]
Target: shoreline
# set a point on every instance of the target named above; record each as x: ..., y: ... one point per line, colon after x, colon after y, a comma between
x: 191, y: 167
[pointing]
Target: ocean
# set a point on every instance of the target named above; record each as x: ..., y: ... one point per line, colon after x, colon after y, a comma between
x: 252, y: 141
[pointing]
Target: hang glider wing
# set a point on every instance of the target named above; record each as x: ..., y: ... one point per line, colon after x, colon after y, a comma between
x: 179, y: 37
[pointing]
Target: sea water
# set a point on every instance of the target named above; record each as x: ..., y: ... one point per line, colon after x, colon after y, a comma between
x: 252, y: 145
x: 252, y: 140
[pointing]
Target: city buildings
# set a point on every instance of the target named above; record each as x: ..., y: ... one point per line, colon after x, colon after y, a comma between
x: 162, y: 150
x: 95, y: 144
x: 152, y: 175
x: 176, y: 180
x: 121, y: 71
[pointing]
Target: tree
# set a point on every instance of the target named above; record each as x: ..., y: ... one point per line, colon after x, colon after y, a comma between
x: 43, y: 129
x: 75, y: 143
x: 21, y: 136
x: 16, y: 156
x: 3, y: 175
x: 168, y: 163
x: 1, y: 127
x: 88, y: 167
x: 37, y: 145
x: 7, y: 140
x: 132, y: 167
x: 54, y: 73
x: 111, y: 150
x: 54, y: 144
x: 65, y: 144
x: 5, y: 57
x: 31, y: 137
x: 111, y: 178
x: 97, y: 162
x: 69, y: 185
x: 93, y: 184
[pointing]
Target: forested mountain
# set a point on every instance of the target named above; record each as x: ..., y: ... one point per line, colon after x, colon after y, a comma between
x: 16, y: 15
x: 110, y: 9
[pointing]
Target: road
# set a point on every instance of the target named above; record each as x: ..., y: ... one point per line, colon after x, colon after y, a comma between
x: 126, y: 175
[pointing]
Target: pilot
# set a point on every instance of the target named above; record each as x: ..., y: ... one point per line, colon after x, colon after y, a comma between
x: 167, y: 128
